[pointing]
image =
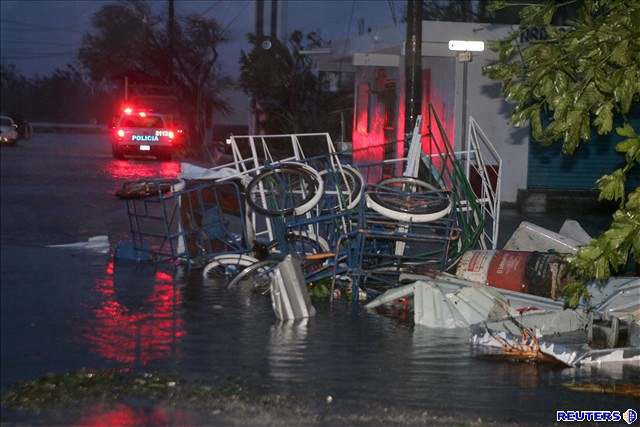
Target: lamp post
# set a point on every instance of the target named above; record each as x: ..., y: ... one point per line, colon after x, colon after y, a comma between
x: 463, y: 49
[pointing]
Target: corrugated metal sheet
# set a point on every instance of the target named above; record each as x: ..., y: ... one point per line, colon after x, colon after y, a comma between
x: 550, y: 169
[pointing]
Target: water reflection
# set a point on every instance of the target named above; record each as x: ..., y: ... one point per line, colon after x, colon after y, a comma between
x: 102, y: 415
x: 126, y: 169
x: 136, y: 319
x: 287, y: 345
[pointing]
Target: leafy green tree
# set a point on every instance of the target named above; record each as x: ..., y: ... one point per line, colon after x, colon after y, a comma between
x: 286, y: 89
x: 128, y: 39
x: 578, y: 80
x: 466, y: 11
x: 65, y: 95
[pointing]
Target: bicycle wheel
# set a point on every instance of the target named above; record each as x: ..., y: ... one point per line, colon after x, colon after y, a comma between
x: 285, y: 189
x: 409, y: 200
x: 342, y: 188
x: 258, y: 275
x: 302, y: 243
x: 227, y: 266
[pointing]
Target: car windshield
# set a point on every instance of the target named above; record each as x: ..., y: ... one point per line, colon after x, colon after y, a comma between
x: 142, y: 122
x: 5, y: 122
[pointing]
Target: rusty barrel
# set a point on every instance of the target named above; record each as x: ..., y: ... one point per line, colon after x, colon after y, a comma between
x: 530, y: 272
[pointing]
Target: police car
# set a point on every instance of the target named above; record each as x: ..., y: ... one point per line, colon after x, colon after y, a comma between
x: 144, y: 133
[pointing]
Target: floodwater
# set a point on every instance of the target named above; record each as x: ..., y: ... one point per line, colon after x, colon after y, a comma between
x: 64, y: 310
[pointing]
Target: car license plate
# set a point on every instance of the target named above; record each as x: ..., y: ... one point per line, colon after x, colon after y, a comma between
x: 145, y: 148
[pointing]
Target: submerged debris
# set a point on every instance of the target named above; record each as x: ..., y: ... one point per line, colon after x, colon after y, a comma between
x: 99, y: 244
x: 630, y: 390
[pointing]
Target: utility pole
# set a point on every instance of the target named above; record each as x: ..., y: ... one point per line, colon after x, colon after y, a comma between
x: 413, y: 68
x: 274, y: 19
x: 260, y: 19
x: 253, y: 120
x: 171, y: 38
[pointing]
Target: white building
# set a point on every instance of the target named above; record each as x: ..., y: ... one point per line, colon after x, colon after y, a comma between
x: 377, y: 61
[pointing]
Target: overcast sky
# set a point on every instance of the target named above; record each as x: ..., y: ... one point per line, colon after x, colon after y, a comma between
x: 39, y: 36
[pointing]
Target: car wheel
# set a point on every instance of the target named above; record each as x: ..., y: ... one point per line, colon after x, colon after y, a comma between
x: 115, y: 151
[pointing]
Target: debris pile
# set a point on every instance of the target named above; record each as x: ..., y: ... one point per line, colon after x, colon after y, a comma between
x: 289, y: 216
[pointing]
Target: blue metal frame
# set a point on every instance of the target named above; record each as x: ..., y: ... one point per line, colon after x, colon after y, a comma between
x: 200, y: 216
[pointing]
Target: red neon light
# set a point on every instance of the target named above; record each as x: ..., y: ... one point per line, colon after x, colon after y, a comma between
x: 128, y: 110
x: 142, y: 114
x: 120, y: 133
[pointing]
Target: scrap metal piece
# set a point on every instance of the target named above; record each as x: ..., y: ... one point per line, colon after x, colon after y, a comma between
x: 432, y: 308
x: 531, y: 237
x: 619, y: 297
x: 517, y: 300
x: 437, y: 307
x: 289, y: 296
x: 573, y: 230
x: 99, y: 244
x: 543, y: 323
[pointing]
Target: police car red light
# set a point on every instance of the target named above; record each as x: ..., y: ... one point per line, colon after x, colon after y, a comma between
x: 120, y: 133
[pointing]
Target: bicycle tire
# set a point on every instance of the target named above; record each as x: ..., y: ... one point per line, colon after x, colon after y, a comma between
x: 306, y: 204
x: 356, y: 180
x: 268, y: 265
x: 227, y: 260
x: 381, y: 197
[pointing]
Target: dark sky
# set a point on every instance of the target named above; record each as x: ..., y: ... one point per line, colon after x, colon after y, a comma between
x: 38, y: 36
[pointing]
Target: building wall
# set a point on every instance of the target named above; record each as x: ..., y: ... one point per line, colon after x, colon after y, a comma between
x: 485, y: 101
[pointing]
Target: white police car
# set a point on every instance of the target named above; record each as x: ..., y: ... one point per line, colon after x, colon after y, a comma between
x: 144, y: 133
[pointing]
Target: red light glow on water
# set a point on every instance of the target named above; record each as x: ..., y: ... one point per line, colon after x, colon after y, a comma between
x: 102, y: 415
x: 135, y: 335
x: 133, y: 170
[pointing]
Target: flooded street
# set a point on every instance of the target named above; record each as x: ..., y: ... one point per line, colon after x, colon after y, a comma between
x: 63, y: 310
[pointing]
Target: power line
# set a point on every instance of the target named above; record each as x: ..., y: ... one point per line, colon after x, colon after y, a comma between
x: 210, y: 8
x: 224, y: 30
x: 346, y: 38
x: 392, y: 8
x: 35, y: 43
x: 41, y: 28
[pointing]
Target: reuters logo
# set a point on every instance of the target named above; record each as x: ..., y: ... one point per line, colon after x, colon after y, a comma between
x: 630, y: 416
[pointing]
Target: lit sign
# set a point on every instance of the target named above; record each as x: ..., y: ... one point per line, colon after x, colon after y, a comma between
x: 466, y: 45
x: 144, y: 138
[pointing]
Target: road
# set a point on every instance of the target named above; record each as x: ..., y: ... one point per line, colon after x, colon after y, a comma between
x: 60, y: 188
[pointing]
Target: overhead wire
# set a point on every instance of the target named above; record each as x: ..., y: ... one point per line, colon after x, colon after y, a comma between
x: 347, y: 35
x: 233, y: 20
x: 39, y: 28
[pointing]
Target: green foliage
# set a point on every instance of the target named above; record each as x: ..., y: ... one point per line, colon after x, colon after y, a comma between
x: 467, y: 11
x: 65, y: 95
x: 288, y: 94
x: 610, y: 251
x: 582, y: 77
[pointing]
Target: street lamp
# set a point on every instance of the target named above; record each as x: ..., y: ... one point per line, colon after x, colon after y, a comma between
x: 463, y: 49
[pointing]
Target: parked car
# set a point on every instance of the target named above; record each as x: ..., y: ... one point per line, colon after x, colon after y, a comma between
x: 142, y: 133
x: 8, y: 130
x: 24, y: 128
